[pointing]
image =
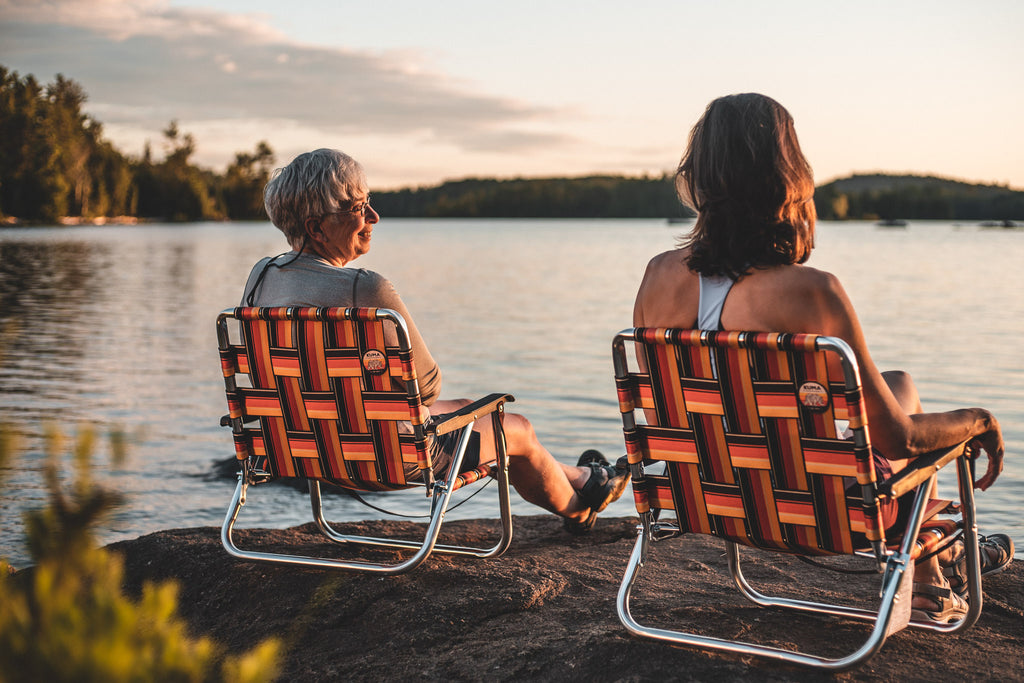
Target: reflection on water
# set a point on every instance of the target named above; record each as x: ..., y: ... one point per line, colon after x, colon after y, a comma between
x: 115, y: 326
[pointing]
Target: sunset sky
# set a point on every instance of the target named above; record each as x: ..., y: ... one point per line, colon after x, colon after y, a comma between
x: 421, y: 91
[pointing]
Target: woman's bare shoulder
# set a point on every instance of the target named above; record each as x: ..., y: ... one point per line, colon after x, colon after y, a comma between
x: 668, y: 259
x: 800, y: 279
x: 667, y: 296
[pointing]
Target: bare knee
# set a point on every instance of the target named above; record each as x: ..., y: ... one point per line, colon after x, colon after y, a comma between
x: 903, y: 388
x: 519, y: 435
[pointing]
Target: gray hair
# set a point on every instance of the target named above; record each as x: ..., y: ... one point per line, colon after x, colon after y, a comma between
x: 314, y: 184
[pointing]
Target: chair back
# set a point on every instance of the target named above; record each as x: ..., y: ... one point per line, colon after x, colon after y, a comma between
x: 319, y: 393
x: 746, y: 424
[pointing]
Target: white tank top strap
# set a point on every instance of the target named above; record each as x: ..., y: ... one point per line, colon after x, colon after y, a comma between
x: 713, y: 291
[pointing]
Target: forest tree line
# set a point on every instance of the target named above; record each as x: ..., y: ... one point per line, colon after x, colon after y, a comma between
x: 55, y: 164
x: 891, y: 197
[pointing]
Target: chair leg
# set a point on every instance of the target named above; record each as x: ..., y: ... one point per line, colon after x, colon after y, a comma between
x: 971, y: 539
x: 439, y: 507
x: 303, y: 560
x: 898, y: 579
x: 422, y: 549
x: 975, y: 597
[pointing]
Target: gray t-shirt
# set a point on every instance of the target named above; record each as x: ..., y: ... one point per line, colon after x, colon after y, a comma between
x: 310, y: 281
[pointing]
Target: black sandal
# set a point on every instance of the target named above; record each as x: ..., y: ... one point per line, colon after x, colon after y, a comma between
x: 606, y: 482
x: 580, y: 528
x: 604, y: 486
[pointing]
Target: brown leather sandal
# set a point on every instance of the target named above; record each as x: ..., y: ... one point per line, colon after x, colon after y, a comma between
x: 996, y: 555
x: 950, y: 606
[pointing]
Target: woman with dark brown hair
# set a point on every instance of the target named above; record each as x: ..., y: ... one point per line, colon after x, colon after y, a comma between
x: 741, y: 268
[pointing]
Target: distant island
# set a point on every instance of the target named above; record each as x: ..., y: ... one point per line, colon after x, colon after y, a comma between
x: 56, y: 167
x: 859, y: 197
x: 902, y: 197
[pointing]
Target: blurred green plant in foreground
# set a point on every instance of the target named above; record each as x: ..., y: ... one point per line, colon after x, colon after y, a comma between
x: 67, y: 619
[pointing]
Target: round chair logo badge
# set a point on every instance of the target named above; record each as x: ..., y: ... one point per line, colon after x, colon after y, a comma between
x: 374, y: 362
x: 813, y: 396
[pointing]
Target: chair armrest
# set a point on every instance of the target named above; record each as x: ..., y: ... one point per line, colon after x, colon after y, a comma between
x: 225, y: 420
x: 463, y: 416
x: 919, y: 470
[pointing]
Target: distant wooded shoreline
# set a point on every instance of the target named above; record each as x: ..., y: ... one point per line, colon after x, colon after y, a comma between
x: 57, y: 168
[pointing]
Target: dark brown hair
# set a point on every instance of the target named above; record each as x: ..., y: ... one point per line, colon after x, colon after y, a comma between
x: 745, y: 176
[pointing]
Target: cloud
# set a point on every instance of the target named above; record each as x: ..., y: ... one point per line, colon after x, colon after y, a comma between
x: 144, y: 63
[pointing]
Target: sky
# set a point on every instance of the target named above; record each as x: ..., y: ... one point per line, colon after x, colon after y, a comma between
x: 422, y: 92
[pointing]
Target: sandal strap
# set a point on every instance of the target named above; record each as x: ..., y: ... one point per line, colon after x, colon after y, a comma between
x: 933, y: 591
x: 1000, y: 543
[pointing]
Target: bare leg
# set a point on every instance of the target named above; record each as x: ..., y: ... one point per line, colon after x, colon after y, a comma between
x: 532, y: 470
x: 928, y: 571
x: 905, y: 391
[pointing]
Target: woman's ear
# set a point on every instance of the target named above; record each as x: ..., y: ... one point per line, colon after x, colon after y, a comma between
x: 313, y: 229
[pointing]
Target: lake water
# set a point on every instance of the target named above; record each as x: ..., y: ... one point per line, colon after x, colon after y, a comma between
x: 114, y: 326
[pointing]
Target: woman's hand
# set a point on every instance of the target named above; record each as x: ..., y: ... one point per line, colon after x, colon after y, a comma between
x: 992, y: 443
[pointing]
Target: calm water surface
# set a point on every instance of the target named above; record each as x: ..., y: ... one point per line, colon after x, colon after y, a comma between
x: 114, y: 326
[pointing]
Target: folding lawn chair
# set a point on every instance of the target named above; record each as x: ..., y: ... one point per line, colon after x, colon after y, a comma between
x: 734, y: 434
x: 316, y: 393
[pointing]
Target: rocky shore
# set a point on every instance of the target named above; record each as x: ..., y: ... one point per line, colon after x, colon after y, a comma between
x: 544, y: 611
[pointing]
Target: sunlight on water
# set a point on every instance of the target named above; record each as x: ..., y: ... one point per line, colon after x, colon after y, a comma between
x: 115, y: 326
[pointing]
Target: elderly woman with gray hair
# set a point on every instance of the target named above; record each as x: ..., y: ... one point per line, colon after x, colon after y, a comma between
x: 321, y: 202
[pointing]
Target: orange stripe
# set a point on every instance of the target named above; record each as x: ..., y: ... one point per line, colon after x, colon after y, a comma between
x: 777, y: 405
x: 386, y: 410
x: 285, y: 367
x: 344, y: 367
x: 724, y: 505
x: 696, y: 509
x: 661, y: 498
x: 718, y: 450
x: 358, y: 450
x: 644, y: 397
x: 857, y: 520
x: 303, y: 448
x: 668, y: 374
x: 314, y: 353
x: 672, y: 450
x: 743, y: 389
x: 752, y: 457
x: 265, y: 407
x: 263, y: 376
x: 793, y: 512
x: 321, y: 409
x: 703, y: 401
x: 833, y: 463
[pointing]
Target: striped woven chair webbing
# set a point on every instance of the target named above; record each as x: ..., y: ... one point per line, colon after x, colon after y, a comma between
x: 747, y: 429
x: 327, y: 399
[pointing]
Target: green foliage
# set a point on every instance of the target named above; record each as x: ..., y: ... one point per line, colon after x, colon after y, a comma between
x: 870, y: 197
x: 66, y: 618
x: 243, y: 183
x: 175, y: 190
x: 54, y: 163
x: 588, y: 197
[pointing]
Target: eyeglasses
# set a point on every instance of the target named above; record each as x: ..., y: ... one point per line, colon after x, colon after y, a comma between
x: 364, y: 208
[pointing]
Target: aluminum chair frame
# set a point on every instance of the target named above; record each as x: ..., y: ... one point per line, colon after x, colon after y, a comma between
x: 253, y: 470
x: 894, y: 564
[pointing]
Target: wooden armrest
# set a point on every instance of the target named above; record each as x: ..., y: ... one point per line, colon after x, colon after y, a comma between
x: 918, y: 471
x: 462, y: 417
